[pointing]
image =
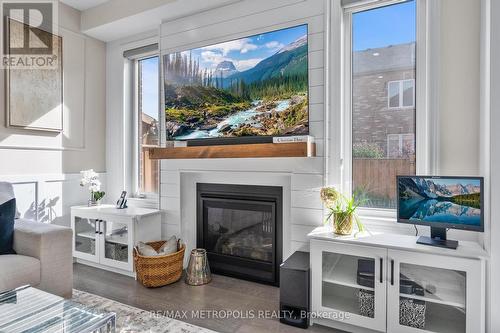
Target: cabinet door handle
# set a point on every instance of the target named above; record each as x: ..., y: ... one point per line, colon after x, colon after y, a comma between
x: 392, y: 272
x: 381, y: 270
x: 96, y: 225
x: 100, y: 227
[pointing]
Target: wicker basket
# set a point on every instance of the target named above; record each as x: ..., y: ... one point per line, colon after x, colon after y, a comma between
x: 159, y: 271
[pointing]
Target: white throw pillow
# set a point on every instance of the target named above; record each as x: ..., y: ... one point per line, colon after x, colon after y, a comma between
x: 169, y: 247
x: 146, y: 250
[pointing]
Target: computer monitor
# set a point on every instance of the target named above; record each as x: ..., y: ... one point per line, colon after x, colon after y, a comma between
x: 441, y: 203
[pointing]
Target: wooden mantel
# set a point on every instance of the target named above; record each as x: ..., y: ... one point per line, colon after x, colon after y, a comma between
x: 295, y: 149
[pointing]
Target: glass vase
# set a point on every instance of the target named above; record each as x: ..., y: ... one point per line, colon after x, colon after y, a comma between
x: 92, y: 201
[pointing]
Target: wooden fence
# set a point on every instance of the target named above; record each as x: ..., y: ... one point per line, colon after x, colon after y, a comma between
x: 378, y: 176
x: 150, y: 170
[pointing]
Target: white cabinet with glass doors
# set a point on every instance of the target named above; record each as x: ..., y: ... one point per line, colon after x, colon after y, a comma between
x: 388, y: 283
x: 104, y: 236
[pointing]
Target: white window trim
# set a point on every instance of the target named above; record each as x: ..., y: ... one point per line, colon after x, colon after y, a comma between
x: 137, y: 195
x: 401, y: 95
x: 426, y: 101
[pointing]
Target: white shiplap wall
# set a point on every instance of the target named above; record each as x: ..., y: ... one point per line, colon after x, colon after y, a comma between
x: 306, y: 175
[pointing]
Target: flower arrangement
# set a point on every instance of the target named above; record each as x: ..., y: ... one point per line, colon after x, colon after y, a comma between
x: 342, y: 209
x: 91, y: 178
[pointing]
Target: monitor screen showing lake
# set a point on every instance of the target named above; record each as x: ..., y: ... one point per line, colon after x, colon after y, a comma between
x: 252, y: 86
x: 440, y: 200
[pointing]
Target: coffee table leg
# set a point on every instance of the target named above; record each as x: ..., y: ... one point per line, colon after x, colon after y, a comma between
x: 111, y: 326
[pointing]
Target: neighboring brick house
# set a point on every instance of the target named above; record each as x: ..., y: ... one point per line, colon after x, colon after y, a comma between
x: 149, y: 130
x: 384, y: 99
x: 149, y: 171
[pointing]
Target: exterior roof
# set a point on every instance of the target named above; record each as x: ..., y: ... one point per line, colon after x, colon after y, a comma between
x: 390, y: 58
x: 148, y: 119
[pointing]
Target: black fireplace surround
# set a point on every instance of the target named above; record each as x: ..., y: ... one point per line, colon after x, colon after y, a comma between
x: 240, y: 226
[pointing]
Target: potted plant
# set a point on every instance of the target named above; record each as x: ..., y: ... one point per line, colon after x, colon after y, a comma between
x: 342, y: 209
x: 91, y: 178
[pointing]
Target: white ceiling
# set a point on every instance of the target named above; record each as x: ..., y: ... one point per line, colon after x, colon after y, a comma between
x: 83, y: 4
x: 111, y: 21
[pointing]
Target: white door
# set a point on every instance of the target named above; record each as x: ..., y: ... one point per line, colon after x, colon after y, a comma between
x: 434, y: 293
x: 340, y: 293
x: 85, y: 238
x: 115, y: 240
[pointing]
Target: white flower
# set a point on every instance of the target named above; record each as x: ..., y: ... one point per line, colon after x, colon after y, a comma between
x: 91, y: 178
x: 95, y: 187
x: 88, y: 175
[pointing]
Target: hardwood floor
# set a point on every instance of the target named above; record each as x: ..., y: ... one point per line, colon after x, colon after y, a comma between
x: 223, y: 293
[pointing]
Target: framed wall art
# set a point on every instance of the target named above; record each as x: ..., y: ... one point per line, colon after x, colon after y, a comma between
x: 34, y: 93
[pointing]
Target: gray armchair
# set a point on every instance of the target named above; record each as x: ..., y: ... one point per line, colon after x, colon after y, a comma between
x: 43, y: 259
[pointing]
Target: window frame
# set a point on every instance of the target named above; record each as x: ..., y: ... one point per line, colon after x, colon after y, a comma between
x: 136, y: 125
x: 401, y: 105
x: 423, y: 133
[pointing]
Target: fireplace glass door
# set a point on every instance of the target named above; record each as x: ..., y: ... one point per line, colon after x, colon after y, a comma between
x: 240, y: 237
x: 240, y: 228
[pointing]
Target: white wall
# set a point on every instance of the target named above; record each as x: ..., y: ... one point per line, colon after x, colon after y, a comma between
x: 459, y: 93
x: 494, y: 130
x: 44, y: 164
x: 82, y: 143
x: 48, y: 198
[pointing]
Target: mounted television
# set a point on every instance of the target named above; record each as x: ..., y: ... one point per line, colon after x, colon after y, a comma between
x: 240, y: 91
x: 441, y: 203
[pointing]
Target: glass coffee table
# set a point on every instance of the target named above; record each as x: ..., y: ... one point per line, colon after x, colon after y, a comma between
x: 30, y: 310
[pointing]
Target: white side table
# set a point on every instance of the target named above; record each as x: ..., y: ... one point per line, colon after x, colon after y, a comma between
x: 104, y: 236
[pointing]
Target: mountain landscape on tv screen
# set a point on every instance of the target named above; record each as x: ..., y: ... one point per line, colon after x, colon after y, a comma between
x: 254, y: 86
x: 437, y: 200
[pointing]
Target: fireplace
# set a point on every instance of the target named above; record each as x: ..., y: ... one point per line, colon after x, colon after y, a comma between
x: 240, y: 226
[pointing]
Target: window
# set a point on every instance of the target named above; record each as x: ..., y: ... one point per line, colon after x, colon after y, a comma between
x: 382, y: 53
x: 400, y: 145
x: 401, y: 94
x: 148, y: 124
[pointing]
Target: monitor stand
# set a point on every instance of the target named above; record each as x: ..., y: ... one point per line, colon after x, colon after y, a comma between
x: 438, y: 238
